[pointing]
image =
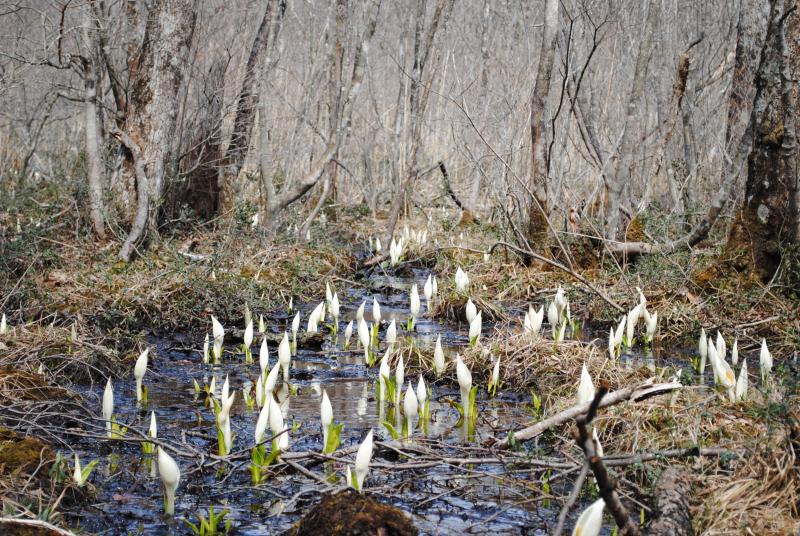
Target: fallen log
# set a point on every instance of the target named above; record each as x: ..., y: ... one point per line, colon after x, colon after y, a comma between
x: 672, y: 516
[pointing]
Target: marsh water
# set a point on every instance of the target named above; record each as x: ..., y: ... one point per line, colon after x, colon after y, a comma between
x: 440, y: 500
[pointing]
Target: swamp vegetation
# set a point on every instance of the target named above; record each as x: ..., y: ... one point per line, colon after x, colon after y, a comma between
x: 419, y: 267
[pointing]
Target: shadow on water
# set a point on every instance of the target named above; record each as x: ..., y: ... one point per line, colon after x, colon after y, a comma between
x: 440, y: 499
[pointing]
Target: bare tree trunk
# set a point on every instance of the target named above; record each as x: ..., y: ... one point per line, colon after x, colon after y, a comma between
x: 293, y: 190
x: 537, y: 179
x: 419, y: 90
x: 334, y: 103
x: 622, y: 160
x: 93, y: 140
x: 751, y: 35
x: 152, y: 114
x: 767, y: 219
x: 247, y: 102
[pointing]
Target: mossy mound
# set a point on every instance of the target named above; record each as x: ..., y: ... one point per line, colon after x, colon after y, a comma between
x: 22, y: 454
x: 348, y: 513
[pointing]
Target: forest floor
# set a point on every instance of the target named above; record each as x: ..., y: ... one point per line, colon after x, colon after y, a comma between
x: 53, y: 278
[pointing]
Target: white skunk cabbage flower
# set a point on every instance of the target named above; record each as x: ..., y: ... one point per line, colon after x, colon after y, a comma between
x: 399, y: 379
x: 226, y: 389
x: 462, y: 280
x: 205, y: 350
x: 77, y: 474
x: 263, y: 356
x: 219, y: 336
x: 153, y: 425
x: 618, y: 333
x: 464, y: 377
x: 410, y: 407
x: 552, y: 317
x: 170, y: 476
x: 562, y: 329
x: 325, y: 417
x: 713, y: 358
x: 328, y: 293
x: 378, y: 246
x: 560, y: 301
x: 138, y: 372
x: 533, y: 320
x: 261, y: 424
x: 212, y: 387
x: 272, y: 379
x: 495, y: 379
x: 414, y: 301
x: 651, y: 323
x: 335, y: 307
x: 360, y: 312
x: 721, y: 347
x: 630, y: 326
x: 363, y: 334
x: 260, y: 391
x: 438, y: 357
x: 727, y: 378
x: 376, y: 311
x: 108, y: 405
x: 248, y: 334
x: 591, y: 520
x: 471, y: 311
x: 363, y: 457
x: 475, y: 329
x: 296, y: 324
x: 702, y: 349
x: 597, y: 445
x: 735, y: 352
x: 391, y: 333
x: 585, y: 387
x: 422, y: 392
x: 435, y: 287
x: 3, y: 325
x: 285, y: 356
x: 262, y: 326
x: 765, y: 359
x: 383, y: 374
x: 612, y: 348
x: 314, y: 317
x: 427, y: 289
x: 348, y: 333
x: 741, y: 383
x: 277, y: 425
x: 224, y: 421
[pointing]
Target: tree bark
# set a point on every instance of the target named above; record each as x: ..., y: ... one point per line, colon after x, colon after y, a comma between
x: 246, y: 104
x: 751, y: 33
x: 767, y: 219
x: 93, y: 140
x: 537, y: 180
x: 156, y: 80
x: 623, y: 159
x: 672, y: 514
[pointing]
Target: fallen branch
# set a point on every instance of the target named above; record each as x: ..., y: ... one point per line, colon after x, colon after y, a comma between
x: 606, y: 484
x: 36, y: 523
x: 635, y: 392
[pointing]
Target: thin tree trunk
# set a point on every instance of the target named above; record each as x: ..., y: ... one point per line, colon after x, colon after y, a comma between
x: 246, y: 104
x: 537, y: 179
x: 93, y: 141
x: 623, y: 159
